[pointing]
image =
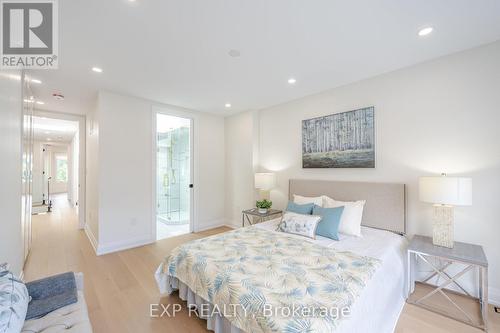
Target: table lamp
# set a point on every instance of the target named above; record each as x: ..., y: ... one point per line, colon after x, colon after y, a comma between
x: 445, y: 193
x: 265, y: 181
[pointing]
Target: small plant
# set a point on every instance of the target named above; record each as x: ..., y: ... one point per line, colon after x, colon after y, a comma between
x: 264, y: 204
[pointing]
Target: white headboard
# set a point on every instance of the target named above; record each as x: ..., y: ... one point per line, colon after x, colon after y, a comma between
x: 385, y: 206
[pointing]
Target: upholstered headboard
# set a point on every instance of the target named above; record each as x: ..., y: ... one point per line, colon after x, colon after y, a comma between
x: 385, y: 206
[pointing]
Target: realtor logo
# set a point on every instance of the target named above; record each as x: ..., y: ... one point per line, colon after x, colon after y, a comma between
x: 29, y: 34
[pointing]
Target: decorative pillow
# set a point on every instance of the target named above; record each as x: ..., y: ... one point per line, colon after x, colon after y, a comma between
x: 350, y: 221
x: 306, y: 200
x: 330, y: 221
x: 305, y: 209
x: 299, y: 224
x: 14, y: 301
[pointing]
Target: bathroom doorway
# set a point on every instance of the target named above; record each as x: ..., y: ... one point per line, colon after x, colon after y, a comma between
x: 174, y: 186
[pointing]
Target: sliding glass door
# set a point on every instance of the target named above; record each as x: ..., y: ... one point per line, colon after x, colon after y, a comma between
x: 173, y: 175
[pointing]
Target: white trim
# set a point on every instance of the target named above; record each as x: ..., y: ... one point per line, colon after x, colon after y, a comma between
x: 194, y: 194
x: 123, y: 245
x: 91, y: 237
x: 215, y: 224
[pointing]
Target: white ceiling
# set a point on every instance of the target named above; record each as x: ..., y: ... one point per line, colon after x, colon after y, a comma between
x: 54, y: 130
x: 176, y: 52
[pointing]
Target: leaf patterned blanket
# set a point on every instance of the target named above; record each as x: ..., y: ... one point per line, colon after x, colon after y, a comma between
x: 264, y: 281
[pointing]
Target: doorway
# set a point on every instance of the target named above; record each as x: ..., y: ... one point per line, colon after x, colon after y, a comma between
x: 174, y: 171
x: 58, y: 164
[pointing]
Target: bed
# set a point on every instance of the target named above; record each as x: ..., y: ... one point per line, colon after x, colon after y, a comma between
x: 230, y: 277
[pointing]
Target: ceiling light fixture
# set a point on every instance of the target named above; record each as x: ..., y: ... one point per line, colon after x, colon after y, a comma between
x: 58, y: 96
x: 425, y: 31
x: 40, y: 102
x: 234, y: 53
x: 97, y: 69
x: 28, y: 101
x: 227, y: 105
x: 36, y: 81
x: 292, y: 81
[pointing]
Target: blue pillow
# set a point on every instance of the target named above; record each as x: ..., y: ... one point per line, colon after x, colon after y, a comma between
x: 305, y: 209
x: 330, y: 221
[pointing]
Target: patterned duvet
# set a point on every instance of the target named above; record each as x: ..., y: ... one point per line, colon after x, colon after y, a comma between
x: 264, y: 281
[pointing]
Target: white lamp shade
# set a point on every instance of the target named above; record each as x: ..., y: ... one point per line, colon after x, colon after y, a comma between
x: 265, y: 180
x: 454, y: 191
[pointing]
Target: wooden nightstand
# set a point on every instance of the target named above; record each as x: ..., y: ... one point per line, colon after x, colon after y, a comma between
x: 470, y: 257
x: 245, y: 215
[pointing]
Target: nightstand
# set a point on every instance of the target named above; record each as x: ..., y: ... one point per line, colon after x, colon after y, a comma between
x: 469, y: 257
x: 246, y: 214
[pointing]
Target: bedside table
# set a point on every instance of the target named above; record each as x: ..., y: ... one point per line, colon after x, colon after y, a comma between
x: 245, y: 215
x: 471, y: 257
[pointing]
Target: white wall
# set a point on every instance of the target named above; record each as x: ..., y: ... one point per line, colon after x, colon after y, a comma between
x: 38, y: 181
x: 124, y: 169
x: 241, y: 163
x: 11, y: 240
x: 73, y: 164
x: 92, y: 176
x: 439, y: 116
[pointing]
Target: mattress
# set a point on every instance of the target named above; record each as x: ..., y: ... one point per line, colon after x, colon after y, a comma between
x: 385, y: 292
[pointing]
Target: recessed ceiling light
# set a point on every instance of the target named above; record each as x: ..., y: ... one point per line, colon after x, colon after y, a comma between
x: 234, y: 53
x: 425, y: 31
x: 29, y: 101
x: 292, y: 80
x: 40, y: 102
x: 97, y: 69
x: 36, y: 81
x: 227, y: 105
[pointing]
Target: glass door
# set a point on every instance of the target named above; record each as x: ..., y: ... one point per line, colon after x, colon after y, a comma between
x: 173, y: 176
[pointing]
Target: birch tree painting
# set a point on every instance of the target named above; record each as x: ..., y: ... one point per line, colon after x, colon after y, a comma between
x: 342, y: 140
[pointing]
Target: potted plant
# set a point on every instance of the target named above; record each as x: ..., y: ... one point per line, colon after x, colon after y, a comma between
x: 263, y: 205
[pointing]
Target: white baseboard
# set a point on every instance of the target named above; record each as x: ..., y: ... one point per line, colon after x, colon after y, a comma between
x: 123, y: 245
x: 91, y: 237
x: 211, y: 225
x: 494, y: 296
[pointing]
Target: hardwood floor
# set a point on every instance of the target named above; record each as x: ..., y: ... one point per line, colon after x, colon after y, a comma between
x: 120, y: 287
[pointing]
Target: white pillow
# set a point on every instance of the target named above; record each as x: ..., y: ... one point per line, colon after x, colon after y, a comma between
x: 299, y: 224
x: 300, y: 200
x: 14, y: 301
x: 350, y: 221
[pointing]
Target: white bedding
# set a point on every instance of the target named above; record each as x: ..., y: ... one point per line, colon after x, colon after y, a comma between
x: 380, y: 304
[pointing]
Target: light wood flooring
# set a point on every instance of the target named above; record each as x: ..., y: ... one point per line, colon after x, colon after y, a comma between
x: 120, y: 287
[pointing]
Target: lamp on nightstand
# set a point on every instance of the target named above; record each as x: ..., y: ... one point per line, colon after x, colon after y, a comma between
x: 265, y: 181
x: 445, y: 193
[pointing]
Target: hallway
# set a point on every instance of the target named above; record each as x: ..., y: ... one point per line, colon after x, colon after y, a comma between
x: 119, y: 287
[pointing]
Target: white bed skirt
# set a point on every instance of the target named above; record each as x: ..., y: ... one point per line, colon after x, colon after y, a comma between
x: 215, y: 322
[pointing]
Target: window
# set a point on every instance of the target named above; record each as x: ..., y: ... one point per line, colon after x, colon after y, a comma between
x: 62, y: 168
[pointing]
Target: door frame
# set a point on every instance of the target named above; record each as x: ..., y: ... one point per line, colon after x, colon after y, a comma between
x: 81, y: 119
x: 193, y: 138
